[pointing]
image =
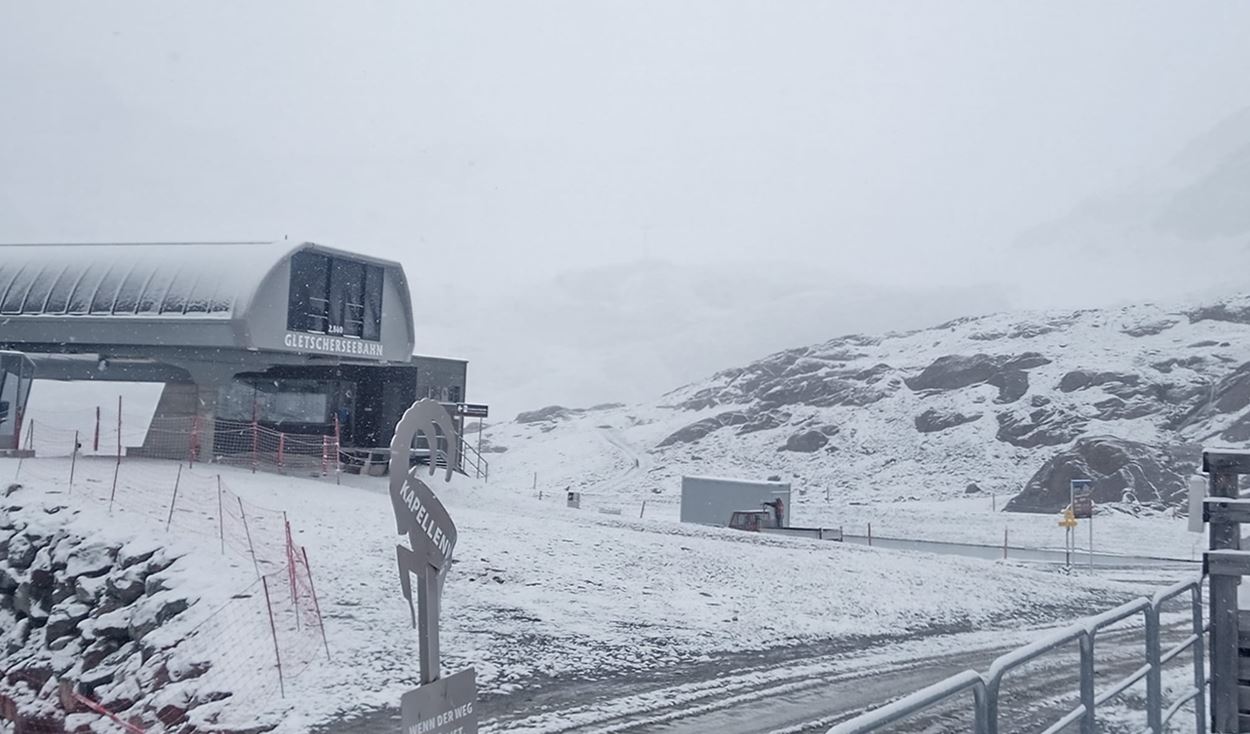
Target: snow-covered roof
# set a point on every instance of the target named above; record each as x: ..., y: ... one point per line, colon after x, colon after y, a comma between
x: 167, y: 279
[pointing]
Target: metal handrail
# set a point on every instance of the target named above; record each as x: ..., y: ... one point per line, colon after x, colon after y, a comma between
x: 918, y: 701
x: 986, y: 688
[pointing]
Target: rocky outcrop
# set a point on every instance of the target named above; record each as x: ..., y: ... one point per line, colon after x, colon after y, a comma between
x: 697, y: 430
x: 1045, y: 426
x: 78, y: 620
x: 957, y: 371
x: 933, y: 420
x: 1122, y: 471
x: 812, y: 377
x: 548, y: 414
x: 1220, y: 312
x: 1150, y: 329
x: 806, y: 442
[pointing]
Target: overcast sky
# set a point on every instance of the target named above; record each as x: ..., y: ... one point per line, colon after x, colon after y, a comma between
x: 479, y: 136
x: 881, y: 142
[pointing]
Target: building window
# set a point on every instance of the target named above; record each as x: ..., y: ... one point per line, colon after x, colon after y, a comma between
x: 277, y: 401
x: 333, y: 295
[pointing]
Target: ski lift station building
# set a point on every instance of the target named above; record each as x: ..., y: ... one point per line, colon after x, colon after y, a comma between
x: 300, y: 337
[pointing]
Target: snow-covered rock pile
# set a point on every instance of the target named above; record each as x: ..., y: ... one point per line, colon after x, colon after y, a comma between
x: 1009, y: 402
x: 80, y: 616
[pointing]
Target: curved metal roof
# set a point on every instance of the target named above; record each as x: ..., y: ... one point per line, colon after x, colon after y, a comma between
x: 204, y: 280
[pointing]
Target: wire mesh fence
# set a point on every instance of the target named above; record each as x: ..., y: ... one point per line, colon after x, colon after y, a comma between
x: 226, y: 670
x: 250, y: 444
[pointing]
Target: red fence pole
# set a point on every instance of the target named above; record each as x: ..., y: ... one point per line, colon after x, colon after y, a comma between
x: 274, y: 629
x: 95, y: 444
x: 174, y: 500
x: 221, y: 517
x: 290, y: 567
x: 338, y: 448
x: 193, y: 446
x: 118, y: 466
x: 73, y: 461
x: 316, y: 606
x: 251, y: 548
x: 325, y: 455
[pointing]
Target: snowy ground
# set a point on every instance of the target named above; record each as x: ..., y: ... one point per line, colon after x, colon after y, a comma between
x: 594, y: 454
x: 542, y: 593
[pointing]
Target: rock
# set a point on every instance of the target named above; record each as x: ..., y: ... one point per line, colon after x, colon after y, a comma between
x: 1116, y: 409
x: 1190, y: 363
x: 124, y: 590
x: 59, y: 643
x: 93, y: 679
x: 550, y: 413
x: 187, y: 670
x: 1153, y: 328
x: 933, y: 420
x: 153, y: 613
x: 26, y: 601
x: 1119, y: 468
x: 955, y: 371
x: 1011, y: 384
x: 763, y: 421
x: 33, y: 673
x: 1040, y: 427
x: 114, y: 625
x: 806, y: 442
x: 64, y: 620
x: 8, y: 579
x: 972, y: 489
x: 134, y: 553
x: 21, y: 552
x: 171, y: 715
x: 1027, y: 360
x: 42, y: 581
x: 1038, y: 401
x: 1075, y: 380
x: 63, y: 589
x: 98, y: 651
x: 1220, y: 312
x: 88, y: 589
x: 16, y: 638
x: 699, y: 429
x: 156, y: 583
x: 91, y: 560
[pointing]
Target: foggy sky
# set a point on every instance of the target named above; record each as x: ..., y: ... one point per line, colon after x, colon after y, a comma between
x: 479, y: 136
x: 493, y: 143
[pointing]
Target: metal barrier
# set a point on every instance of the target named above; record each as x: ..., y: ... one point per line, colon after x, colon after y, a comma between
x: 986, y: 688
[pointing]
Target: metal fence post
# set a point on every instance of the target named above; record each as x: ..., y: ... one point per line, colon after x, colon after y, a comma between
x: 980, y: 700
x: 991, y: 706
x: 1088, y: 719
x: 1224, y: 535
x: 1154, y: 676
x: 1200, y: 677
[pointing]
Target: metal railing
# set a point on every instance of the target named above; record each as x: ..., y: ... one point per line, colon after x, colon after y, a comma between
x: 987, y: 688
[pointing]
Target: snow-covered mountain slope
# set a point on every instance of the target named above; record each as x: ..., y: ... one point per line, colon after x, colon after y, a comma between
x: 1012, y: 403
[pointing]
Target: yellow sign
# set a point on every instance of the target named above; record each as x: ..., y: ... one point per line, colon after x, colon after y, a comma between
x: 1067, y: 521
